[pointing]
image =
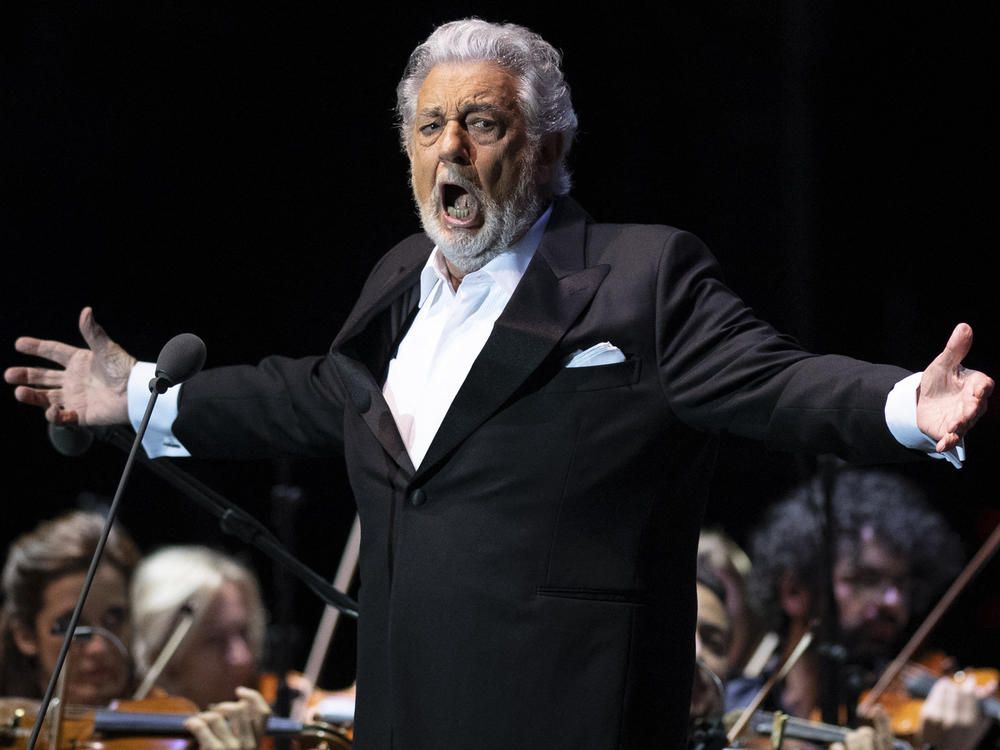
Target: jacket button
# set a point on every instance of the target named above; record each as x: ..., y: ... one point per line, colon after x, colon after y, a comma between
x: 418, y: 497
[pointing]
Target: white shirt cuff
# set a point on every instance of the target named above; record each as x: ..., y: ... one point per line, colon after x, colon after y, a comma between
x: 901, y: 418
x: 159, y: 439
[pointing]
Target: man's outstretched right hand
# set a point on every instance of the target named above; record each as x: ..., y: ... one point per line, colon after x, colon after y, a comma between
x: 90, y: 389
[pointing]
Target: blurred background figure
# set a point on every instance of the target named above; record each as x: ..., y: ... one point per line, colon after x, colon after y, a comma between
x: 892, y: 555
x: 42, y: 578
x: 712, y: 638
x: 205, y: 609
x: 749, y: 645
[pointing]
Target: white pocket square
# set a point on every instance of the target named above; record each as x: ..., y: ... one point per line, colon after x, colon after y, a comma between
x: 604, y: 353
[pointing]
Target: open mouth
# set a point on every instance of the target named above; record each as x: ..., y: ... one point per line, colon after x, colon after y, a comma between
x: 460, y: 206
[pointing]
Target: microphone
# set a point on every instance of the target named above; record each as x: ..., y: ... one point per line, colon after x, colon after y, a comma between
x: 70, y: 440
x: 180, y: 358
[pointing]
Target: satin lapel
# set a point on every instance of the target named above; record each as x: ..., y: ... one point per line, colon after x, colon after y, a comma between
x: 368, y: 399
x: 547, y: 301
x: 389, y: 285
x: 358, y: 360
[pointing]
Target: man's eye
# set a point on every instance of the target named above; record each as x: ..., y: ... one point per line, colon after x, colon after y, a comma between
x: 429, y: 129
x: 483, y: 125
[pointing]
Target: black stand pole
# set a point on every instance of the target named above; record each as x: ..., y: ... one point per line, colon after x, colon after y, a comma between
x: 237, y: 522
x: 95, y: 562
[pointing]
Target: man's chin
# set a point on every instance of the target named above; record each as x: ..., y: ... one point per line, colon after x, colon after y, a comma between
x: 465, y: 248
x: 872, y: 649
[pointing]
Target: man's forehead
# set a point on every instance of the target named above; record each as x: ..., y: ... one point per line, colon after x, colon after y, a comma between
x: 461, y: 84
x: 869, y: 551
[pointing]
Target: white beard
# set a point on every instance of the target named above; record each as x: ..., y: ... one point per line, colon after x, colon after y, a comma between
x: 504, y: 224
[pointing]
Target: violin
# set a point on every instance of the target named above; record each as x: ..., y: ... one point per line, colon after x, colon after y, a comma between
x: 776, y: 726
x: 148, y: 724
x: 327, y: 706
x: 903, y: 698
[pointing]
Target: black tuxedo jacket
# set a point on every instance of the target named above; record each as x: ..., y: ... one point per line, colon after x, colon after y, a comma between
x: 531, y: 583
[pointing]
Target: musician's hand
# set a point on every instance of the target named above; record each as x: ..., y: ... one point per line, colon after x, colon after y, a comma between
x: 233, y: 725
x: 951, y: 717
x: 90, y: 389
x: 951, y: 398
x: 876, y: 737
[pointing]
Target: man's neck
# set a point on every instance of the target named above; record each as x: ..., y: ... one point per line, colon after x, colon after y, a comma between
x: 455, y: 275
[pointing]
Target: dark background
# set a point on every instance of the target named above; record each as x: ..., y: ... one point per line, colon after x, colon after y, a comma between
x: 234, y: 171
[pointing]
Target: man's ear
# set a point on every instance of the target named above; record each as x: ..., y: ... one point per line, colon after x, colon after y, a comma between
x: 794, y: 596
x: 24, y: 639
x: 549, y: 151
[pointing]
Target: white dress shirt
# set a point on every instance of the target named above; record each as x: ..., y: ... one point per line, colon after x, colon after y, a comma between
x: 448, y: 333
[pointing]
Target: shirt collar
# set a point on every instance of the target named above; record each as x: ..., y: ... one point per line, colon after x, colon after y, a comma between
x: 504, y: 270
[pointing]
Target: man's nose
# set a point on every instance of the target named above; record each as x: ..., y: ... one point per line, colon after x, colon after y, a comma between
x: 891, y: 596
x: 455, y: 145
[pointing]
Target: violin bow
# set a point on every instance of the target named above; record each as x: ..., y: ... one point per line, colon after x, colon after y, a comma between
x: 184, y: 623
x: 920, y: 635
x: 800, y: 648
x: 324, y: 633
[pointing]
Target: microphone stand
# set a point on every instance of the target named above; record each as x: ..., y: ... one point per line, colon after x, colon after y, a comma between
x: 286, y: 500
x: 237, y: 522
x: 157, y: 385
x: 834, y: 688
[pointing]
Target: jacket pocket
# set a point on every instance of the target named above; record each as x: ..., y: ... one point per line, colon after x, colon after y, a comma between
x: 595, y: 378
x: 609, y: 596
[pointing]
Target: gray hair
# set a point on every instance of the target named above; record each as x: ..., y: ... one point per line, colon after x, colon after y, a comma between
x: 172, y: 577
x: 543, y: 92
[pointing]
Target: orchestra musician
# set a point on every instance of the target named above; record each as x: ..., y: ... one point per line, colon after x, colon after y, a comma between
x: 222, y: 644
x: 892, y: 553
x: 720, y: 554
x: 42, y: 578
x: 713, y: 640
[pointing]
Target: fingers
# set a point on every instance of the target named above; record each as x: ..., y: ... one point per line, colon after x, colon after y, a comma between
x: 951, y: 704
x: 860, y: 739
x: 883, y: 729
x: 55, y: 351
x: 95, y: 336
x: 50, y: 400
x: 972, y: 403
x: 947, y: 442
x: 220, y: 729
x: 232, y: 725
x: 34, y: 376
x: 34, y: 397
x: 59, y: 352
x: 258, y: 708
x: 957, y: 348
x: 212, y: 731
x: 986, y: 689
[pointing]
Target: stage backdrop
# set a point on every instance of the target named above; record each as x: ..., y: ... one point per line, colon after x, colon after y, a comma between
x: 234, y: 171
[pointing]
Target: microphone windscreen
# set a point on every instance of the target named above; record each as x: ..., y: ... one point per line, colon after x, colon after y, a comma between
x: 180, y: 358
x: 70, y: 440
